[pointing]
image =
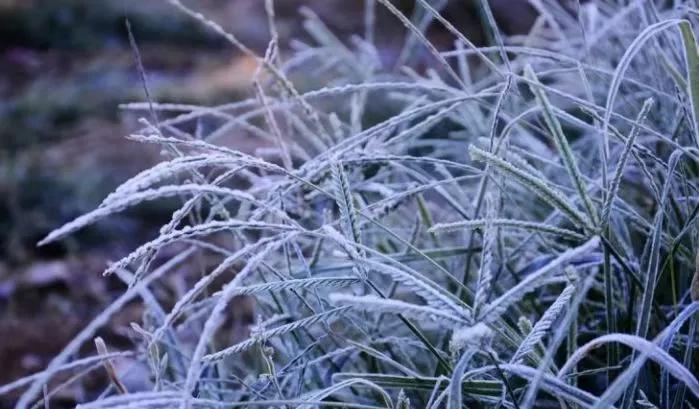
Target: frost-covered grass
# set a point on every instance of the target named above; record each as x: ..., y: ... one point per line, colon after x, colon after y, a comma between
x: 515, y: 227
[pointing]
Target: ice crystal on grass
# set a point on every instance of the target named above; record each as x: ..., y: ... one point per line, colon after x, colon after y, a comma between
x: 484, y: 233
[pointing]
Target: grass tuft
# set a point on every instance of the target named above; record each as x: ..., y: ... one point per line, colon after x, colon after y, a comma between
x: 512, y: 230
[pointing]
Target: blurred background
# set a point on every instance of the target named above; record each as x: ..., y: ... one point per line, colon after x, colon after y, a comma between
x: 65, y: 66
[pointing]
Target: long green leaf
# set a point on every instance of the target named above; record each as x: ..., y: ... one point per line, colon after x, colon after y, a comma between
x: 561, y: 142
x: 692, y: 60
x: 472, y: 387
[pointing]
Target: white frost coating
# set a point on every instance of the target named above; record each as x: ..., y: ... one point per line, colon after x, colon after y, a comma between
x: 469, y: 336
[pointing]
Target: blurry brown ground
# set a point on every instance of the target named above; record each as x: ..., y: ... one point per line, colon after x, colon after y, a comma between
x: 65, y: 65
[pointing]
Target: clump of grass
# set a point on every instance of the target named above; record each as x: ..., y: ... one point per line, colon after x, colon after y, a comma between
x: 515, y: 228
